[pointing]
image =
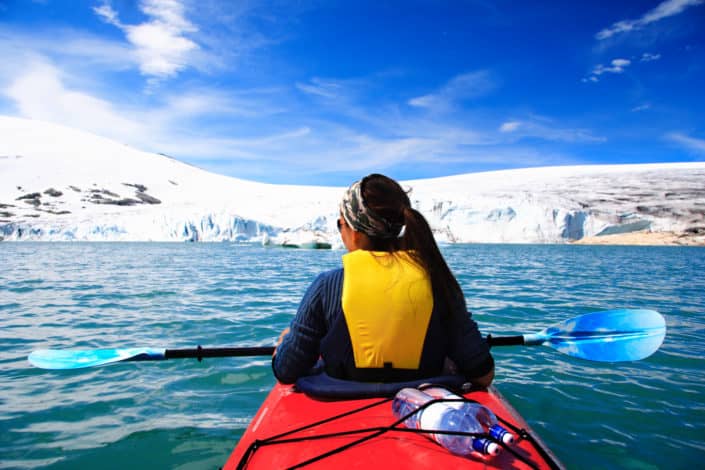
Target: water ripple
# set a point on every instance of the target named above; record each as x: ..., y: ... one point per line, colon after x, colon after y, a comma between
x: 188, y: 414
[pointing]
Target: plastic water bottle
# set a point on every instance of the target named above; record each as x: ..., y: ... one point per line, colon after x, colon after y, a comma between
x: 439, y: 417
x: 481, y: 413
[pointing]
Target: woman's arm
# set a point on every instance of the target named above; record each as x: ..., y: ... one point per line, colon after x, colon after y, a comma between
x: 299, y: 346
x: 468, y: 349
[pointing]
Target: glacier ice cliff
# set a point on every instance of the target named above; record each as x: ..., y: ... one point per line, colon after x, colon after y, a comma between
x: 59, y: 184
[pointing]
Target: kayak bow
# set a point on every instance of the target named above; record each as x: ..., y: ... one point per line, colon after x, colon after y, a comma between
x: 291, y: 430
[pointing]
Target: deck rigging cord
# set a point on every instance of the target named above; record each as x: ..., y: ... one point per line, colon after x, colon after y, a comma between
x: 380, y: 430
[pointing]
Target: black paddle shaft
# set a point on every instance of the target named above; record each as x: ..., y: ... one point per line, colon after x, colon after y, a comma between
x: 199, y: 352
x: 505, y: 340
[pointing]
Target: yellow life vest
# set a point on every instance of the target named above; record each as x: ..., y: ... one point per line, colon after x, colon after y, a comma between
x: 387, y: 302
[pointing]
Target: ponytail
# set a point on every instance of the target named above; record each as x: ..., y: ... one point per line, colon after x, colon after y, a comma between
x: 422, y: 246
x: 387, y: 199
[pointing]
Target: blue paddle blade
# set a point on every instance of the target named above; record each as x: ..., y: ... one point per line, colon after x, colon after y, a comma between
x: 76, y: 359
x: 609, y: 336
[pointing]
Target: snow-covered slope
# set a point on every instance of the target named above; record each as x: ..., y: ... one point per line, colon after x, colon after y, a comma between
x: 62, y: 184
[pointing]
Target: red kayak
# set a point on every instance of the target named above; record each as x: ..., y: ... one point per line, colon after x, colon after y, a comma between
x: 291, y: 430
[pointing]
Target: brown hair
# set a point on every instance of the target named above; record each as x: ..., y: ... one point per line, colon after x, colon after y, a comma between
x: 389, y: 200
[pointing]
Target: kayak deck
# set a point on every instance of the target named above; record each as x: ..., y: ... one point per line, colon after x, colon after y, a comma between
x: 335, y: 442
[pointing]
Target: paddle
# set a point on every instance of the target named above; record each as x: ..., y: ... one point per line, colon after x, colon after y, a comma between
x: 76, y: 359
x: 609, y: 336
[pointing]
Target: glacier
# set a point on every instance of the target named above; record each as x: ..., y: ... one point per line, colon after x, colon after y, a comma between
x: 62, y: 184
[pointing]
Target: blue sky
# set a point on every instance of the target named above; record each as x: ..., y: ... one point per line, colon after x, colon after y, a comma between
x: 323, y: 92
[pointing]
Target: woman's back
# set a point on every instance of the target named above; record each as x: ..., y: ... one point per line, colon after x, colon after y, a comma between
x: 401, y: 310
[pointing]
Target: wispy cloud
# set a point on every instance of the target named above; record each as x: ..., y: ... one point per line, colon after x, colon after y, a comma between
x: 160, y: 44
x: 329, y: 89
x: 347, y: 151
x: 206, y: 101
x: 279, y: 129
x: 509, y: 126
x: 616, y: 66
x: 290, y: 145
x: 110, y: 16
x: 39, y: 93
x: 171, y: 124
x: 460, y: 88
x: 74, y: 48
x: 220, y: 151
x: 692, y: 143
x: 663, y: 10
x: 546, y: 129
x: 649, y: 57
x: 281, y: 137
x: 641, y: 107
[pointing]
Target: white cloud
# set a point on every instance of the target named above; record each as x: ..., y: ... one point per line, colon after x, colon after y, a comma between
x: 173, y: 126
x: 74, y: 48
x: 546, y: 129
x: 227, y: 150
x: 509, y: 126
x: 460, y: 88
x: 210, y: 102
x: 39, y: 90
x: 691, y: 143
x: 649, y: 57
x: 108, y: 15
x: 329, y: 89
x: 425, y: 101
x: 39, y: 93
x: 641, y: 107
x: 663, y: 10
x: 160, y: 44
x: 202, y: 124
x: 366, y: 152
x: 616, y: 66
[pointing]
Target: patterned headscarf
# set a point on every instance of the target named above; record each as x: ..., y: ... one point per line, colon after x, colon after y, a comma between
x: 363, y: 219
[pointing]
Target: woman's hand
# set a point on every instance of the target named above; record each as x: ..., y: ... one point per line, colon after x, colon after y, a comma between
x: 281, y: 338
x: 485, y: 380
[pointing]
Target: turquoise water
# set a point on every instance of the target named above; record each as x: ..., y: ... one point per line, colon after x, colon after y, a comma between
x: 183, y: 414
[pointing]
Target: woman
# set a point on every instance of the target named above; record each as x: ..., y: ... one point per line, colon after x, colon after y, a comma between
x: 394, y: 312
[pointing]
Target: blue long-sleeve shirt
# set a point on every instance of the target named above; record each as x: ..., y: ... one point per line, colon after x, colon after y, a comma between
x: 321, y: 307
